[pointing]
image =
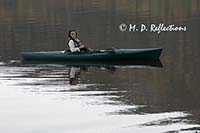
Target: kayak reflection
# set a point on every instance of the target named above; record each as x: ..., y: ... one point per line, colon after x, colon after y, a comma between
x: 73, y: 70
x: 119, y: 63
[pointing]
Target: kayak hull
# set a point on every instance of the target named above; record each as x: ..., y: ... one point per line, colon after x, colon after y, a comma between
x: 102, y: 55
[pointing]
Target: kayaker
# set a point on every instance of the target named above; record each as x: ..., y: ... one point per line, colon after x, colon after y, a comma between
x: 74, y: 43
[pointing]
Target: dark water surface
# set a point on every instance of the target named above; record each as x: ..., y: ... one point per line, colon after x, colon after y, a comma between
x: 135, y: 98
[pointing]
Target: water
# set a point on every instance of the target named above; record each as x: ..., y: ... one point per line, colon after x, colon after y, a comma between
x: 135, y: 98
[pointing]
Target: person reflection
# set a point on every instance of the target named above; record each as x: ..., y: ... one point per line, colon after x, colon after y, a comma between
x: 74, y: 73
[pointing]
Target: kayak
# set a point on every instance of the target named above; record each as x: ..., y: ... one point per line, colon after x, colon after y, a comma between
x: 96, y: 55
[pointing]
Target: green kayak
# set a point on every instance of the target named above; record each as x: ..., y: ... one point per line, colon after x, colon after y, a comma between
x: 96, y: 55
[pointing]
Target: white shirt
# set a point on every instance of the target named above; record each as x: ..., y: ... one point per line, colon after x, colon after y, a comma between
x: 72, y: 46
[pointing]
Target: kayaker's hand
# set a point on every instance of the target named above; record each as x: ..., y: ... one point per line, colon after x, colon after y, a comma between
x: 82, y: 46
x: 91, y: 50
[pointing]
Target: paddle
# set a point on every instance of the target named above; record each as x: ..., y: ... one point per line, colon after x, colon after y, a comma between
x: 112, y: 50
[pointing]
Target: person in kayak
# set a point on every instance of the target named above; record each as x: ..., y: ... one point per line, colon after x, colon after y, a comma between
x: 74, y: 43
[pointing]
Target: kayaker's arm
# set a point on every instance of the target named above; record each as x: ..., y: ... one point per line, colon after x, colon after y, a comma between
x: 72, y: 47
x: 82, y: 46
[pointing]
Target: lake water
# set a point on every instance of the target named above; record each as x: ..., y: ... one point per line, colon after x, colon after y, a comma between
x: 56, y: 97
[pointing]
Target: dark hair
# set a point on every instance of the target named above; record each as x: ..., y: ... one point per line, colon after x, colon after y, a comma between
x: 70, y: 38
x: 69, y: 32
x: 73, y: 81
